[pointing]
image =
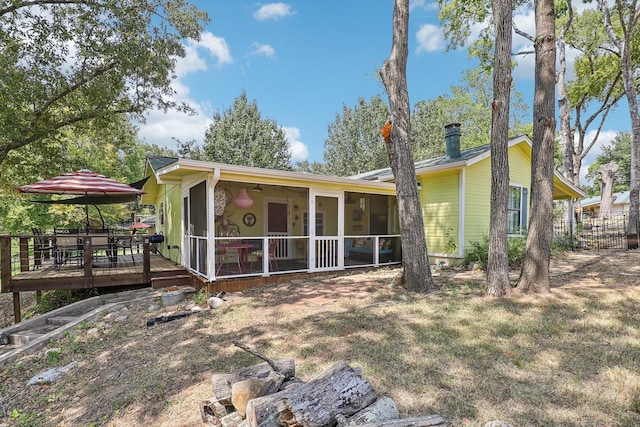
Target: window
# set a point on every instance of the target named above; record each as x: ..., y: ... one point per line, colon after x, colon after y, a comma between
x: 517, y: 210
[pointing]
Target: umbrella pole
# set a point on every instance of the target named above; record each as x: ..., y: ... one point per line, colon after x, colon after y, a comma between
x: 100, y: 213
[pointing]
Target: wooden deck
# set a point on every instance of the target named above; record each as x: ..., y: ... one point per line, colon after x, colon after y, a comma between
x: 101, y: 274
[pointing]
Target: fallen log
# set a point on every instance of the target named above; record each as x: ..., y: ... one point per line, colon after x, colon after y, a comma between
x: 340, y: 390
x: 222, y: 382
x: 424, y: 421
x: 244, y: 391
x: 383, y: 409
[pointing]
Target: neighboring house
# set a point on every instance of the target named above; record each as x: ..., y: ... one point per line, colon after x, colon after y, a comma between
x: 591, y: 205
x: 241, y: 221
x: 455, y: 193
x: 234, y: 221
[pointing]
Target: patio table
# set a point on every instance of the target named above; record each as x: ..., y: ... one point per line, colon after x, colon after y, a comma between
x: 241, y: 248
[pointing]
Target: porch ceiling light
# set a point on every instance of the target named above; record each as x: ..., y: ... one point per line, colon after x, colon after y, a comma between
x: 257, y: 188
x: 243, y: 200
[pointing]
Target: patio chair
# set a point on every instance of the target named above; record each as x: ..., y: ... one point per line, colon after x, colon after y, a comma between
x: 67, y: 248
x: 348, y: 244
x: 42, y: 247
x: 103, y: 245
x: 258, y: 254
x: 125, y: 243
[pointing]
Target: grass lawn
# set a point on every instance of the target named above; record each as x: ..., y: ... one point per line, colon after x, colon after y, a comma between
x: 571, y: 358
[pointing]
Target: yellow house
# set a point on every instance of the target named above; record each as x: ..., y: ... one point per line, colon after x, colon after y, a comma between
x: 220, y: 220
x: 455, y: 192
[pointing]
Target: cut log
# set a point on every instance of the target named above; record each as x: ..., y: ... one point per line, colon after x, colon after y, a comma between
x: 340, y: 389
x: 222, y: 382
x: 244, y: 391
x: 233, y: 419
x: 384, y: 409
x: 425, y: 421
x: 211, y: 411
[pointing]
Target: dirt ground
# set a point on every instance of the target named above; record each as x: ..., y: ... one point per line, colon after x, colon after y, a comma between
x: 121, y: 364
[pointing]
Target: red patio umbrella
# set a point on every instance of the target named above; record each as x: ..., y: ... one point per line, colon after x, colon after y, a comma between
x: 81, y: 183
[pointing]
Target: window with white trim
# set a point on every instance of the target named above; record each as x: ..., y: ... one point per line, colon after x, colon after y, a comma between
x: 517, y: 210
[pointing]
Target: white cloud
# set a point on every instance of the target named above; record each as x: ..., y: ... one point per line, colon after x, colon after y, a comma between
x: 217, y: 46
x: 423, y: 4
x: 299, y: 150
x: 273, y: 11
x: 430, y: 38
x: 263, y: 50
x: 194, y: 61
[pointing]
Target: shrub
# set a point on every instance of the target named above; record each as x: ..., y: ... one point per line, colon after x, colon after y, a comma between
x: 479, y: 252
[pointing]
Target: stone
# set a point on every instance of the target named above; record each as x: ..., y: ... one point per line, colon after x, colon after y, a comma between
x: 497, y: 424
x: 215, y: 302
x: 50, y: 375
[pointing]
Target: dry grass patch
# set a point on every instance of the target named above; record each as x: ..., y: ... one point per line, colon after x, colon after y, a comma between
x: 571, y: 358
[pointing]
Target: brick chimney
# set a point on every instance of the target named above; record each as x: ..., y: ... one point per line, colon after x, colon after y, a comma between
x: 452, y: 140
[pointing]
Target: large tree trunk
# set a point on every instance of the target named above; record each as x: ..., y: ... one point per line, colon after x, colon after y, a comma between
x: 415, y: 261
x: 498, y: 262
x: 608, y: 174
x: 630, y: 20
x: 535, y: 269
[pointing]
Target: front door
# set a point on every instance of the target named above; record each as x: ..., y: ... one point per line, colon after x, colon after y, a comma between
x: 278, y: 225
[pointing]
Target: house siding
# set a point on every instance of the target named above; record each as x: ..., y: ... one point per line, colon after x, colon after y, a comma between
x: 440, y: 209
x: 478, y: 191
x: 478, y: 201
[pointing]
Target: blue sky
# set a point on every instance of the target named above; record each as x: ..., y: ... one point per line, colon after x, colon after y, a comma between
x: 302, y: 60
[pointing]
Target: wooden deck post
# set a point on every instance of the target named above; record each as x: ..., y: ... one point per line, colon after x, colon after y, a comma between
x: 5, y: 264
x: 146, y: 261
x: 16, y: 307
x: 87, y: 261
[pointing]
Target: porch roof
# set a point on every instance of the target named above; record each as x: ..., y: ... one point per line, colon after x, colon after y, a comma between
x: 169, y: 170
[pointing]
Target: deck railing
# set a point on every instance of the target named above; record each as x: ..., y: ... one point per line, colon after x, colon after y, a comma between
x: 240, y: 256
x: 28, y: 252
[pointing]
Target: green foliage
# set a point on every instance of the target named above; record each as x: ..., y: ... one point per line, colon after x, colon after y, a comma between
x: 240, y: 136
x: 50, y: 300
x: 354, y: 143
x: 201, y: 297
x: 122, y: 62
x: 23, y: 419
x: 468, y: 104
x: 479, y: 252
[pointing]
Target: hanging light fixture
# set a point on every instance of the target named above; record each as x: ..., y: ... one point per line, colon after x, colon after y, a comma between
x: 257, y: 188
x: 243, y: 200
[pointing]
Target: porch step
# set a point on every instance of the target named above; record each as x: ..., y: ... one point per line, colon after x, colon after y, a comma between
x: 60, y: 320
x: 163, y: 282
x: 24, y: 337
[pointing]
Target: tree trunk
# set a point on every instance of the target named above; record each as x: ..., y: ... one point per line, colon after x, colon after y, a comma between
x: 629, y: 21
x: 534, y: 276
x: 338, y: 391
x: 415, y: 260
x: 608, y: 174
x: 498, y: 261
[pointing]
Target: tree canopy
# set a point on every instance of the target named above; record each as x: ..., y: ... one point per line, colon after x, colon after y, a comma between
x: 240, y: 136
x: 354, y: 144
x: 66, y: 63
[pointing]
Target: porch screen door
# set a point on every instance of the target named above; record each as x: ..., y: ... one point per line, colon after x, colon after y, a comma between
x: 328, y: 240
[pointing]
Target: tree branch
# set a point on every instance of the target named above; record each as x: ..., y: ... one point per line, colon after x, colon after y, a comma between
x: 28, y: 3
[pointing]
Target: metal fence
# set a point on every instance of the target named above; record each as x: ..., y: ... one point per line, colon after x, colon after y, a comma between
x: 593, y: 233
